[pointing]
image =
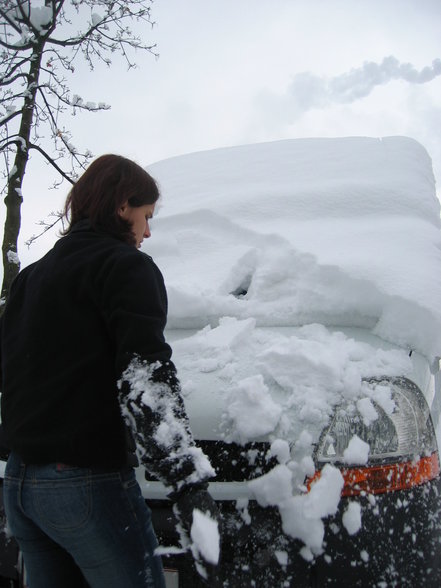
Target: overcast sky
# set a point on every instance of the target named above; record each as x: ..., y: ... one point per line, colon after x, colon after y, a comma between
x: 243, y: 71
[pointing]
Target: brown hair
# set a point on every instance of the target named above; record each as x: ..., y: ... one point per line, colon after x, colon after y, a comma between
x: 109, y: 182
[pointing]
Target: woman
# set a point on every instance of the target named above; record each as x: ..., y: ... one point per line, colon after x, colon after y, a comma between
x: 83, y: 355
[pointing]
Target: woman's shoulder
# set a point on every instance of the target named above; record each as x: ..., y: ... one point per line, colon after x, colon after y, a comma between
x: 124, y: 258
x: 102, y: 255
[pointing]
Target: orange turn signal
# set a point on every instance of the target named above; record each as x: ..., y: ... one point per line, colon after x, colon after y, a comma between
x: 386, y: 477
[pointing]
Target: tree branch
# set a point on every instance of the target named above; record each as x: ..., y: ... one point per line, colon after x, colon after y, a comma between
x: 13, y: 66
x: 11, y: 141
x: 9, y: 81
x: 47, y: 227
x: 11, y: 22
x: 25, y: 47
x: 62, y: 173
x: 9, y: 117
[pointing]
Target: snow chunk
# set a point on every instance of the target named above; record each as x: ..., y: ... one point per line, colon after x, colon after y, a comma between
x: 352, y: 518
x: 214, y: 348
x: 282, y: 557
x: 242, y: 508
x: 280, y: 449
x: 230, y: 332
x: 306, y: 553
x: 273, y: 488
x: 252, y: 410
x: 367, y: 410
x: 307, y: 465
x: 364, y: 555
x: 13, y: 257
x: 41, y: 17
x: 205, y: 535
x: 324, y: 496
x: 96, y: 19
x: 382, y: 395
x: 301, y: 515
x: 357, y: 452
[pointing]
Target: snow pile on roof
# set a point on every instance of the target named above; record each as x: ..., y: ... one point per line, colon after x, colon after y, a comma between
x: 298, y: 236
x: 338, y: 231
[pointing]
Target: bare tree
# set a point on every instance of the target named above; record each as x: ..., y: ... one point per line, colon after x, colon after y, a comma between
x: 40, y: 42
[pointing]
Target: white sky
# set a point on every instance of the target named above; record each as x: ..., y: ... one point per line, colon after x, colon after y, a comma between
x: 227, y: 76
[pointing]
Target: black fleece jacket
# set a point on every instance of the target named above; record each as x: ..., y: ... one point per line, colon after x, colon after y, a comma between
x: 81, y: 345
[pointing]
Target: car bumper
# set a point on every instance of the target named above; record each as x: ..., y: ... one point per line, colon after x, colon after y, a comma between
x: 398, y: 544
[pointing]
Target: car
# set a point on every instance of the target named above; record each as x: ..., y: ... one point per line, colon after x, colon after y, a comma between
x: 303, y: 279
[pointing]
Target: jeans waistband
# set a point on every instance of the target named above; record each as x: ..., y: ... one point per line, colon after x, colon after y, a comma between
x: 16, y: 468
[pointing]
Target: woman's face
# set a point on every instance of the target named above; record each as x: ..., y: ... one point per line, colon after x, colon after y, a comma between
x: 138, y: 217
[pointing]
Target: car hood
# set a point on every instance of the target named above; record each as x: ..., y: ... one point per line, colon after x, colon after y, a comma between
x: 246, y: 383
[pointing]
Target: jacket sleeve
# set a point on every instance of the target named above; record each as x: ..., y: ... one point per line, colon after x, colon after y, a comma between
x: 134, y: 302
x: 1, y: 361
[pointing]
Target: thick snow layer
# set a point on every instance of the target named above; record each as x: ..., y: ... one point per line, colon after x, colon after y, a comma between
x: 276, y: 258
x: 337, y: 231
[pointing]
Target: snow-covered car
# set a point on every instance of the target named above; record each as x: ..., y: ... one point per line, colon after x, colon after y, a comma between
x: 304, y: 283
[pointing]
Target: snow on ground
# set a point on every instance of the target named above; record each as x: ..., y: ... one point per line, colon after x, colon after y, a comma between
x: 270, y: 252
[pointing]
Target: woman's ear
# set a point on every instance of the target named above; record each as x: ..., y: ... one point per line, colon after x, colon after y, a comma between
x: 123, y: 209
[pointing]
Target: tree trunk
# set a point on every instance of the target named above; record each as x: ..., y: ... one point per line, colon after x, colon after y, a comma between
x: 14, y: 199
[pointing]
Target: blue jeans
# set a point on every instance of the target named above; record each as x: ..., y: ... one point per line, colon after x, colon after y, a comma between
x: 73, y: 523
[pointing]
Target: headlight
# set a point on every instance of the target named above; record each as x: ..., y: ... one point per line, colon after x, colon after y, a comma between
x: 398, y: 431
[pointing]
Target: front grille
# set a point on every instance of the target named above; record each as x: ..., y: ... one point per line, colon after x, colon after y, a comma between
x: 236, y: 463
